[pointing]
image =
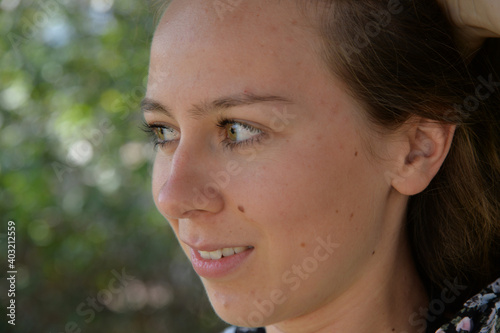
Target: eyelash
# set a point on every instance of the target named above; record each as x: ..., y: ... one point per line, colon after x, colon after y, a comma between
x: 221, y: 123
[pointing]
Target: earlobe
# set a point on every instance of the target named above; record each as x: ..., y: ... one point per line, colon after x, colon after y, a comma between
x: 428, y: 145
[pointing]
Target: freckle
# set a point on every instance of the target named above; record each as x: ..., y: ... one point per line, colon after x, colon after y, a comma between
x: 373, y: 252
x: 302, y: 244
x: 337, y: 211
x: 393, y: 329
x: 356, y: 154
x: 352, y: 215
x: 241, y: 209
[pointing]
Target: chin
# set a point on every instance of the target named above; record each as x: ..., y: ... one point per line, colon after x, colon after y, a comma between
x: 241, y: 311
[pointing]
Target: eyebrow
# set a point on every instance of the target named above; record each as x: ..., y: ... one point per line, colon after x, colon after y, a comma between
x: 204, y: 109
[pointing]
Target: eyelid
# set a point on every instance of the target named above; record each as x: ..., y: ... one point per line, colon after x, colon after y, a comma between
x: 222, y: 120
x: 154, y: 123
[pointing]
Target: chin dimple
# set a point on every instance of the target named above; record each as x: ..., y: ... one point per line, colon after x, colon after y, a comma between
x: 225, y: 252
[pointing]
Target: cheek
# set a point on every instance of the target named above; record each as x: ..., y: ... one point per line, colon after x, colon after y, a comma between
x: 161, y: 172
x: 158, y: 179
x: 324, y: 177
x: 313, y: 189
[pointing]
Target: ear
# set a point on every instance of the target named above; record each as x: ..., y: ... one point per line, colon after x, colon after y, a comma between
x: 427, y: 144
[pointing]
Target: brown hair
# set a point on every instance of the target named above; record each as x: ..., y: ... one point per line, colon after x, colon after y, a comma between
x: 400, y: 60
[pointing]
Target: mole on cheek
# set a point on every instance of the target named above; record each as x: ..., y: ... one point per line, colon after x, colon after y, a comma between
x: 241, y: 209
x: 302, y: 244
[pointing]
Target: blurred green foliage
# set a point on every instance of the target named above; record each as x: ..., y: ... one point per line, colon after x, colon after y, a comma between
x: 75, y: 175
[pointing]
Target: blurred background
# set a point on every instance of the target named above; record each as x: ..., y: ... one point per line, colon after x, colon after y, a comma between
x: 92, y: 252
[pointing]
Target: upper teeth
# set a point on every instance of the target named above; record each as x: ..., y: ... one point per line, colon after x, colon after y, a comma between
x: 226, y: 252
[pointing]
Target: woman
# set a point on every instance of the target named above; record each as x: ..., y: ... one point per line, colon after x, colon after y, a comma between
x: 327, y: 165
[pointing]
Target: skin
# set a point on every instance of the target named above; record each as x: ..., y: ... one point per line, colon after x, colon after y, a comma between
x: 323, y: 172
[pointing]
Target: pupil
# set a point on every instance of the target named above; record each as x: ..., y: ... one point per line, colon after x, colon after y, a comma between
x: 232, y: 132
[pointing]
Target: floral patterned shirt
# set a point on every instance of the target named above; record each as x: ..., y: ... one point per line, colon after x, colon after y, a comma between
x: 480, y: 314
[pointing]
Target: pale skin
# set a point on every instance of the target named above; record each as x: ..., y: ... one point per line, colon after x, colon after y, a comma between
x: 324, y: 172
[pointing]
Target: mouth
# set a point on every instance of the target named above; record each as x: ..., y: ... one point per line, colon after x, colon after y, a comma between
x: 220, y: 263
x: 223, y: 253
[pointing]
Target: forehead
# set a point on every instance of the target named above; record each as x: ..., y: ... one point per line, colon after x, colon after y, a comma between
x: 264, y: 40
x: 259, y: 21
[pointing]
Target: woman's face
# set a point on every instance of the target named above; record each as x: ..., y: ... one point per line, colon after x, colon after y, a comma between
x: 265, y: 155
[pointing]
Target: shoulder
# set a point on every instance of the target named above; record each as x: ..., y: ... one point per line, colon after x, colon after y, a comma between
x: 480, y: 314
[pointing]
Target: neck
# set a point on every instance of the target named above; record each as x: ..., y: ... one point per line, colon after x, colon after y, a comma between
x: 388, y: 296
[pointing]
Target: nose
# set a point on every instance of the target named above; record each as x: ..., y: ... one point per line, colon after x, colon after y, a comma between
x: 187, y: 183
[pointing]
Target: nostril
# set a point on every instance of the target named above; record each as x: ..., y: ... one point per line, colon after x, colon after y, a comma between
x: 191, y: 214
